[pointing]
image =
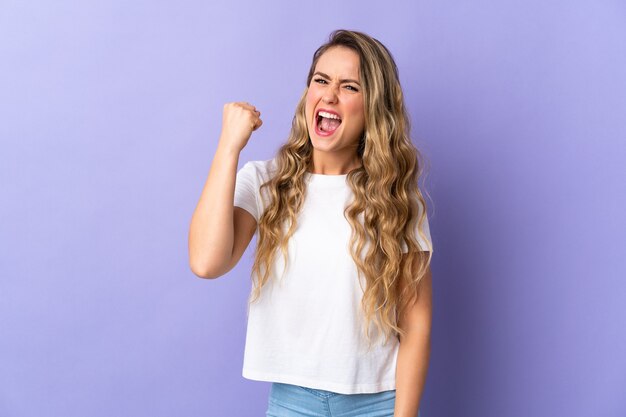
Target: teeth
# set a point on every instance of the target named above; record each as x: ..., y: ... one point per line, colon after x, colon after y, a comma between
x: 328, y: 115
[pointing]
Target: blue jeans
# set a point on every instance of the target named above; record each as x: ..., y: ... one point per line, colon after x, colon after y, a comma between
x: 287, y: 400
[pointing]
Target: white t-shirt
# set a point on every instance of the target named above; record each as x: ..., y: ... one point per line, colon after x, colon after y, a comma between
x: 305, y: 329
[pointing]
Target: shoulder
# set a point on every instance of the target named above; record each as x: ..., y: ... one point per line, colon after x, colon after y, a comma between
x: 259, y: 170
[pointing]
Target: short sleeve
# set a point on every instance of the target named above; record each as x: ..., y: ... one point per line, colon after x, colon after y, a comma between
x: 247, y: 189
x: 424, y: 247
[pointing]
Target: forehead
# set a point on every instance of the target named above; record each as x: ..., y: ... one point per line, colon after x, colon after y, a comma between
x: 339, y: 61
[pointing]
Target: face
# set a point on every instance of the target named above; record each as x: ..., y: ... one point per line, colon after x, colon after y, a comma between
x: 336, y: 89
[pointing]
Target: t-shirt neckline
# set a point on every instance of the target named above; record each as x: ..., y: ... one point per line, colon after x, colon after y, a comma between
x: 326, y: 179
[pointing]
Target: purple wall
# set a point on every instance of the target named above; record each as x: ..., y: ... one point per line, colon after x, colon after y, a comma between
x: 110, y: 112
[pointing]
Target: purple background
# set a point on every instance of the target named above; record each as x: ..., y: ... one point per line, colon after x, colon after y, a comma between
x: 110, y: 113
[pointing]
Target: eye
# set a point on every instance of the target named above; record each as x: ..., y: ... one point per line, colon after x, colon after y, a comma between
x: 319, y: 79
x: 353, y: 88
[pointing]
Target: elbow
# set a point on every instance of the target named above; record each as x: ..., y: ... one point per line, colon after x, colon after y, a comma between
x: 207, y: 263
x: 201, y: 271
x: 206, y: 271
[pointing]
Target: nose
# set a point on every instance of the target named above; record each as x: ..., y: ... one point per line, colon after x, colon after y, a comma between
x: 330, y: 95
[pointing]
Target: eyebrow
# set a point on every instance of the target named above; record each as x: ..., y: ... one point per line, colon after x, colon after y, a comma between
x: 341, y: 81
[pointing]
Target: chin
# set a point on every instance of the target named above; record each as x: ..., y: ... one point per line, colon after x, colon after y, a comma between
x: 324, y: 140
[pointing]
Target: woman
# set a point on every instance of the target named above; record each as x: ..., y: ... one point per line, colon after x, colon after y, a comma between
x: 347, y: 176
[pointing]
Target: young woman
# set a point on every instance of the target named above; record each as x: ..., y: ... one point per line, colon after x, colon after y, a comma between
x: 339, y: 318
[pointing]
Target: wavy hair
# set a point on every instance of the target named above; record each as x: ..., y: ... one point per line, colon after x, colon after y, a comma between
x: 388, y: 206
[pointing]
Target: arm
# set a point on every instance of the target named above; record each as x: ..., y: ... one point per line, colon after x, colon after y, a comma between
x: 219, y: 233
x: 414, y: 351
x: 211, y: 232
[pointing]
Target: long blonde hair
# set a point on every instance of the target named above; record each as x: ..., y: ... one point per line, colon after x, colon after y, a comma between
x: 387, y: 205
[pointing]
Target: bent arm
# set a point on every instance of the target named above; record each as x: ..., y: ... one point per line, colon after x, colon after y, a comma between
x: 212, y: 229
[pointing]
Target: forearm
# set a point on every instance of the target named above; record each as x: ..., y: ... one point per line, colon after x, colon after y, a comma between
x: 411, y: 370
x: 211, y: 230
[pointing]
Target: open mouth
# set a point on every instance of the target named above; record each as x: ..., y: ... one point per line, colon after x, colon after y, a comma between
x: 326, y: 122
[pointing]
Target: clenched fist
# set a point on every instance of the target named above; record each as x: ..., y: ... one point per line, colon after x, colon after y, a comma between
x: 239, y: 120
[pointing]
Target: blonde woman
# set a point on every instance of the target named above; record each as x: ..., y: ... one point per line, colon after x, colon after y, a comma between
x: 339, y: 316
